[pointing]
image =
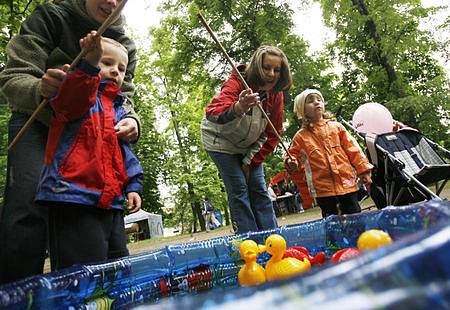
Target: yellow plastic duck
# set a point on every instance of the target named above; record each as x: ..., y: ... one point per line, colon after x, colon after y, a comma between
x: 373, y: 239
x: 251, y: 273
x: 278, y: 267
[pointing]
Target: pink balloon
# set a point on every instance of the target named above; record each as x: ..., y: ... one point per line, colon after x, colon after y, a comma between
x: 372, y: 118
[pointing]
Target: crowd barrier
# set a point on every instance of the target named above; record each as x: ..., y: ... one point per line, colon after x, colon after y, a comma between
x: 413, y: 272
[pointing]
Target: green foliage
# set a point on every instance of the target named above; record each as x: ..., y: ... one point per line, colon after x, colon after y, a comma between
x: 12, y: 13
x: 387, y: 58
x: 4, y: 117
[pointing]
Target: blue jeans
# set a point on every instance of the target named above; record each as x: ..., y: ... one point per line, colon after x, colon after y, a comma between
x: 23, y: 224
x: 250, y: 205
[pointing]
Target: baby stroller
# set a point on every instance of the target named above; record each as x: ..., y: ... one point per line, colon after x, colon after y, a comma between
x: 406, y: 166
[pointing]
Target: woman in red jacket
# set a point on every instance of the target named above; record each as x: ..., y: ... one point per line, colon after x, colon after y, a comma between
x: 238, y: 137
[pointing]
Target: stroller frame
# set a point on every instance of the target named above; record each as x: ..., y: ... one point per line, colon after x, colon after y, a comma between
x: 400, y: 180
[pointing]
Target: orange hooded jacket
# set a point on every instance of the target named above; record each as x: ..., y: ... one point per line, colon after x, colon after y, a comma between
x: 328, y: 157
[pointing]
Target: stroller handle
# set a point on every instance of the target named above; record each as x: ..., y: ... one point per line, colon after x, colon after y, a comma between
x: 348, y: 124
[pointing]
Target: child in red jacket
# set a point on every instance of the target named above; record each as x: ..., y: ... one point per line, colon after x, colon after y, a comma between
x: 87, y: 169
x: 327, y: 157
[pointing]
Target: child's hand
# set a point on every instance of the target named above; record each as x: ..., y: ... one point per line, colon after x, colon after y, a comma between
x: 92, y: 44
x: 366, y: 179
x: 291, y: 164
x: 134, y: 202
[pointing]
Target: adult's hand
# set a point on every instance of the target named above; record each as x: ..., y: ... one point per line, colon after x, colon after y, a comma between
x: 397, y: 125
x: 51, y: 81
x: 127, y: 129
x: 247, y: 100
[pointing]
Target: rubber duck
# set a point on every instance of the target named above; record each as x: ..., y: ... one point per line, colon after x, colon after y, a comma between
x: 300, y: 253
x: 369, y: 240
x: 251, y: 273
x: 278, y: 267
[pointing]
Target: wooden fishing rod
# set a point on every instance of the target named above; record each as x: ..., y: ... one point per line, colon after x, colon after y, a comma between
x: 108, y: 21
x: 224, y: 52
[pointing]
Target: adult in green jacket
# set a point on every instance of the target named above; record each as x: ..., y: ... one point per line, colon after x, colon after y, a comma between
x: 38, y: 57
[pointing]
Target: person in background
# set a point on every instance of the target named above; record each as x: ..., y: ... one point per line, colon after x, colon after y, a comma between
x: 208, y: 212
x: 273, y: 198
x: 238, y: 138
x: 286, y: 198
x: 37, y: 60
x: 292, y: 188
x: 84, y: 193
x: 282, y: 186
x: 276, y: 190
x: 324, y: 150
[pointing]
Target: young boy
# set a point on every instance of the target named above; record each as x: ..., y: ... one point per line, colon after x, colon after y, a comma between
x: 86, y: 168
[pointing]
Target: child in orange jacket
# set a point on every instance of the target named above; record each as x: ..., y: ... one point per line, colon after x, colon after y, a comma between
x: 326, y: 157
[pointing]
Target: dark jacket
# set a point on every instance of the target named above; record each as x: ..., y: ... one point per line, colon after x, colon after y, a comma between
x: 85, y: 162
x: 49, y: 38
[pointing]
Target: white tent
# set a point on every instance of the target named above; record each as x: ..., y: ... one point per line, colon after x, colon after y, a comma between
x: 149, y: 224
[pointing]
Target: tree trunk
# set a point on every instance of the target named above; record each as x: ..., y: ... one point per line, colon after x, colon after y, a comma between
x: 226, y: 209
x: 371, y: 27
x: 195, y: 205
x: 196, y: 210
x: 227, y: 215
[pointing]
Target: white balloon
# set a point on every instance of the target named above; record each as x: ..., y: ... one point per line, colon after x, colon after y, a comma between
x: 372, y: 118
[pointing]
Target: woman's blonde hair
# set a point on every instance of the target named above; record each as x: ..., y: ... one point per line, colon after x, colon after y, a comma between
x: 255, y: 73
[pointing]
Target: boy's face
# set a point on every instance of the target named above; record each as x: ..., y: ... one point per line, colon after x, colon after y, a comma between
x: 113, y: 63
x: 314, y: 107
x: 101, y: 9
